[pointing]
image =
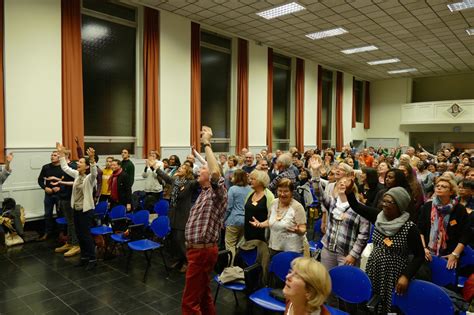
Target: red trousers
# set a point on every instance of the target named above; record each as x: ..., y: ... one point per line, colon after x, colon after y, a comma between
x: 197, y: 298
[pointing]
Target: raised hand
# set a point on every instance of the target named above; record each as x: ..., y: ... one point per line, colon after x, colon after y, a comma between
x: 91, y: 153
x: 314, y: 163
x: 60, y: 148
x: 9, y: 157
x: 76, y: 139
x: 206, y: 134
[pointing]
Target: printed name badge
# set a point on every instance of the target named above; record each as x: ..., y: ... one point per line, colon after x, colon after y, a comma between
x: 453, y: 222
x: 388, y: 242
x: 182, y: 188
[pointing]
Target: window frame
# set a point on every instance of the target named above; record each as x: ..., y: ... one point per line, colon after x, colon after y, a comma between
x: 289, y: 67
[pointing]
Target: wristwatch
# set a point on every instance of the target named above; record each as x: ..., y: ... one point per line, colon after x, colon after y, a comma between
x: 204, y: 145
x: 455, y: 255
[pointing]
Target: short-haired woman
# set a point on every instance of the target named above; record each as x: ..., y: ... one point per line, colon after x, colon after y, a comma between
x: 235, y: 215
x: 286, y: 220
x: 257, y: 204
x: 307, y: 287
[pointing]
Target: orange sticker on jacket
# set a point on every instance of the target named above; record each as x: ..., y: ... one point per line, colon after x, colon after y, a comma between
x: 453, y: 222
x: 388, y: 242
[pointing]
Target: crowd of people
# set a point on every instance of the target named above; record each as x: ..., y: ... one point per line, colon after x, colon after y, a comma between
x: 412, y: 204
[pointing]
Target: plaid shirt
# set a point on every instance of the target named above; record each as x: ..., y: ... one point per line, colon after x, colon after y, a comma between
x: 288, y: 173
x: 347, y: 236
x: 207, y: 215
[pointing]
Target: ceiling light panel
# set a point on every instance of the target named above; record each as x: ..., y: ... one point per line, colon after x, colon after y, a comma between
x: 281, y: 10
x: 470, y: 31
x: 382, y: 62
x: 359, y: 49
x: 402, y: 71
x: 459, y: 6
x: 327, y: 33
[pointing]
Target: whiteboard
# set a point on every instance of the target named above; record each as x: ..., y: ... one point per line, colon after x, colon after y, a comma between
x: 382, y: 142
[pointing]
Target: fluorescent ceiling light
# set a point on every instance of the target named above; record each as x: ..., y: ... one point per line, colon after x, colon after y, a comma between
x: 359, y: 49
x: 382, y: 62
x: 470, y: 31
x: 402, y: 71
x: 463, y: 5
x: 281, y: 10
x: 327, y: 33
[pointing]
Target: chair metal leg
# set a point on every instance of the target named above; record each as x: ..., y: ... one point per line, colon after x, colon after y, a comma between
x: 164, y: 262
x: 217, y: 293
x: 235, y: 297
x: 148, y: 255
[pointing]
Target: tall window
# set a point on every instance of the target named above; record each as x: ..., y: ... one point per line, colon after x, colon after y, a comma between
x: 108, y: 59
x: 359, y: 99
x: 281, y: 102
x: 327, y: 107
x: 215, y: 87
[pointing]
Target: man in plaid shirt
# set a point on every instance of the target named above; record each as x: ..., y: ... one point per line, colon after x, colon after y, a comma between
x: 202, y: 233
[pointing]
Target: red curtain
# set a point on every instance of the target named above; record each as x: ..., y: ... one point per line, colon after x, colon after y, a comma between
x: 339, y: 109
x: 299, y: 104
x: 319, y: 118
x: 242, y: 94
x: 151, y: 64
x: 367, y: 106
x: 270, y: 100
x: 354, y: 113
x: 71, y: 74
x: 196, y: 86
x: 2, y: 94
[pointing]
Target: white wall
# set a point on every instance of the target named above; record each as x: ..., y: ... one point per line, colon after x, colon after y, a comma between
x: 387, y: 97
x: 32, y: 73
x: 347, y: 108
x: 257, y: 123
x: 310, y: 103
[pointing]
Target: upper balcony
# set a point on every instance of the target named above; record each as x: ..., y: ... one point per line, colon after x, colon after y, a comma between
x: 440, y: 112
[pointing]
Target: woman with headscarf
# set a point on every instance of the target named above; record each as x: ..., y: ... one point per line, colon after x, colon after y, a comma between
x: 394, y: 238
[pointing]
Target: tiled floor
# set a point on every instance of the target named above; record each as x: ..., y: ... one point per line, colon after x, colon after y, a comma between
x: 35, y: 280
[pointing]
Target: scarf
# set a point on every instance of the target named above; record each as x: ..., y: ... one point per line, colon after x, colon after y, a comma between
x: 113, y: 184
x: 439, y: 224
x: 339, y: 209
x: 177, y: 185
x: 390, y: 228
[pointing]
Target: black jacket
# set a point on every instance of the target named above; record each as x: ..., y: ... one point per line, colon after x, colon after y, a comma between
x: 124, y: 189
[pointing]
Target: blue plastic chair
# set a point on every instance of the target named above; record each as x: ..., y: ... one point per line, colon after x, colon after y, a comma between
x: 424, y: 297
x: 440, y: 275
x: 161, y: 207
x: 335, y: 311
x: 467, y: 257
x: 116, y: 213
x: 161, y: 228
x: 140, y: 217
x: 249, y: 257
x: 279, y: 266
x: 61, y: 221
x: 360, y: 288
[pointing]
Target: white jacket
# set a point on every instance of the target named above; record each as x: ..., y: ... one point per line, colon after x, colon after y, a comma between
x: 89, y: 184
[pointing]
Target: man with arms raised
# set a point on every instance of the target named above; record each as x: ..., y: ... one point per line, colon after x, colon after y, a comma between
x: 202, y: 233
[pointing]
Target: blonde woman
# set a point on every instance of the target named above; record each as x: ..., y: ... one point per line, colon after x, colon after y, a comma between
x: 306, y: 288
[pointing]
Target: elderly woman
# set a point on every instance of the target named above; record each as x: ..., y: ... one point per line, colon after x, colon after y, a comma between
x: 235, y: 216
x: 286, y: 220
x: 257, y: 205
x: 183, y: 186
x: 444, y: 224
x: 395, y: 238
x: 306, y: 288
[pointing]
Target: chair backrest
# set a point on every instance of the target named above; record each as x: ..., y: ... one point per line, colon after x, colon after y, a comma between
x: 281, y: 263
x: 161, y: 207
x: 350, y: 284
x: 224, y: 259
x: 467, y: 258
x: 161, y: 226
x: 424, y: 297
x: 440, y: 275
x: 117, y: 212
x: 317, y: 226
x: 141, y: 217
x: 101, y: 209
x: 249, y: 257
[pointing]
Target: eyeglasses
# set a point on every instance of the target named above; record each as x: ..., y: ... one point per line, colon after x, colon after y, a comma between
x: 388, y: 203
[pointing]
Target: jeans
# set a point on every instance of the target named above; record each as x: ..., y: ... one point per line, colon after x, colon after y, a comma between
x: 49, y: 202
x: 68, y: 212
x: 197, y: 298
x: 83, y: 222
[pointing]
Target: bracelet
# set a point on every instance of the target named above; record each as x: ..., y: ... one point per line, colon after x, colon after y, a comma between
x: 455, y: 255
x: 204, y: 145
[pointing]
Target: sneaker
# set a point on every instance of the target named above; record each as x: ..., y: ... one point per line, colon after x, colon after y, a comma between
x: 73, y: 251
x: 91, y: 265
x: 63, y: 248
